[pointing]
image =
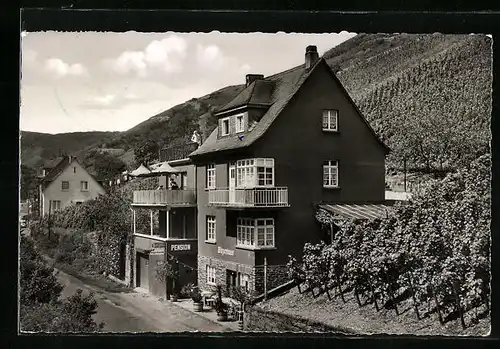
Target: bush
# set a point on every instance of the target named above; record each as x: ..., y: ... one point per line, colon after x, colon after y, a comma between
x: 187, y: 290
x: 40, y: 306
x: 37, y: 282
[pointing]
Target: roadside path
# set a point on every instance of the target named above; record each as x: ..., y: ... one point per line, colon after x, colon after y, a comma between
x: 137, y: 312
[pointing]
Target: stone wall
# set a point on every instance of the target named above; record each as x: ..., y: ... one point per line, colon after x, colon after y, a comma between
x: 220, y: 271
x: 276, y: 275
x: 256, y: 319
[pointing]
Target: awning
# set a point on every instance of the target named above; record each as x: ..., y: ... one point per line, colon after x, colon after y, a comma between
x: 140, y: 171
x: 164, y: 167
x: 354, y: 211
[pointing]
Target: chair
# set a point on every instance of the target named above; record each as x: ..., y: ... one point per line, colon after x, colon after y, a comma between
x: 210, y: 302
x: 239, y: 315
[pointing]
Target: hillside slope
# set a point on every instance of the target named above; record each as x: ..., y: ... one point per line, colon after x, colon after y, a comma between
x: 38, y: 147
x: 438, y: 86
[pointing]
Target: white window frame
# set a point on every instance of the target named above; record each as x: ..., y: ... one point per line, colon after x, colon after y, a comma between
x: 211, y: 176
x: 328, y: 116
x: 211, y: 271
x: 62, y: 186
x: 248, y: 232
x: 330, y: 168
x: 247, y: 172
x: 53, y: 205
x: 239, y: 126
x: 244, y: 280
x: 211, y: 227
x: 222, y: 121
x: 84, y: 187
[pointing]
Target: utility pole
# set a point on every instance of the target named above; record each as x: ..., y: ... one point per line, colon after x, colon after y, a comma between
x: 265, y: 278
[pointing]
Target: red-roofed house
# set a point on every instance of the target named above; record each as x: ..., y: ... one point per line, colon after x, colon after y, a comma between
x: 64, y: 182
x: 285, y: 145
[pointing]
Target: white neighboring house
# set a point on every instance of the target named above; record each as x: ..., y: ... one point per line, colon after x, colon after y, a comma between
x: 66, y: 183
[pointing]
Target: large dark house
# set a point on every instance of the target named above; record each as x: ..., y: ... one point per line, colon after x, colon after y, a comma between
x: 286, y: 145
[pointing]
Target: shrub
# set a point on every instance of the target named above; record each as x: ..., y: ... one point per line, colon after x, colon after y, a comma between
x: 187, y: 290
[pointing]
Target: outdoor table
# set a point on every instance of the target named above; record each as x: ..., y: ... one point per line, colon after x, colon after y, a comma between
x: 207, y: 300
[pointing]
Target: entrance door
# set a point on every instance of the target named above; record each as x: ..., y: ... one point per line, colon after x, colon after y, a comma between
x: 232, y: 182
x: 143, y: 271
x: 231, y: 278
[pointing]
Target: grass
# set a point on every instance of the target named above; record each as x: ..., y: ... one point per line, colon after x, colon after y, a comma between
x: 367, y: 320
x: 96, y: 280
x: 93, y: 279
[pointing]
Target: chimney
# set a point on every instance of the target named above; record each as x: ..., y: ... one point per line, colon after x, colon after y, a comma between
x: 311, y: 56
x: 252, y: 77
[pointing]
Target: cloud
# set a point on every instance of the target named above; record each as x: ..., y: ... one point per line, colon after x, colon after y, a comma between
x: 166, y: 55
x: 210, y: 57
x: 111, y: 101
x: 61, y: 68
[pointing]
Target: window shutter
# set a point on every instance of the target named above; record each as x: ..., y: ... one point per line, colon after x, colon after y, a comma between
x: 232, y: 126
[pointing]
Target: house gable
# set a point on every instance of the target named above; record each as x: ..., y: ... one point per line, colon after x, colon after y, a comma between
x: 288, y: 84
x: 74, y: 174
x: 300, y: 146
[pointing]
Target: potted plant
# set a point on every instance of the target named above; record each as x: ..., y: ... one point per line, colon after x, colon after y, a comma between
x: 220, y: 307
x: 197, y: 299
x: 167, y: 271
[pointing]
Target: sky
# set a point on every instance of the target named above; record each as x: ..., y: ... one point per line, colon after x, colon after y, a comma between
x: 98, y: 81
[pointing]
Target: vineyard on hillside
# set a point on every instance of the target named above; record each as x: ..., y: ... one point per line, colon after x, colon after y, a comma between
x: 434, y: 250
x: 427, y: 96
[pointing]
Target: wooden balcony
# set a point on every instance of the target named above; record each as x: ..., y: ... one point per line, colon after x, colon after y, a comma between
x: 254, y: 197
x: 165, y: 197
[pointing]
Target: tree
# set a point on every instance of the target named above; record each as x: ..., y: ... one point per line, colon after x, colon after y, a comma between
x: 146, y: 151
x: 41, y: 308
x: 28, y: 183
x: 107, y: 166
x: 37, y: 282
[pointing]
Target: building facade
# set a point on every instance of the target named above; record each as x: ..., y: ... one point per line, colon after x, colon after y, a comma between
x: 170, y: 236
x: 286, y: 144
x: 65, y: 183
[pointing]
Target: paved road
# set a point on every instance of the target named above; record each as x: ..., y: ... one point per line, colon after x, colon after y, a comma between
x: 136, y: 312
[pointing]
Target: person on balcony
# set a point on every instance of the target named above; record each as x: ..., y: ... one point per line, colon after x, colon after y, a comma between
x: 173, y: 184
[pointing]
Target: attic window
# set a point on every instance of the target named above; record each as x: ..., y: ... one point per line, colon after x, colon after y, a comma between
x: 240, y: 123
x: 74, y: 169
x: 330, y: 120
x: 224, y: 127
x: 65, y: 185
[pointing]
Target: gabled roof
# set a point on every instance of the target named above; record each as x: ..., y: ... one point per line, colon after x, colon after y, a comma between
x: 286, y: 84
x: 57, y: 169
x: 49, y: 164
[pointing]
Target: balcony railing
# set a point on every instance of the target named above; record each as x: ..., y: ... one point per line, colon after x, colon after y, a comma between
x: 255, y: 197
x: 165, y: 197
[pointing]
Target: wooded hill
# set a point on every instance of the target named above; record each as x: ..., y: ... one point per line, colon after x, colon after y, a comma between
x: 428, y: 96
